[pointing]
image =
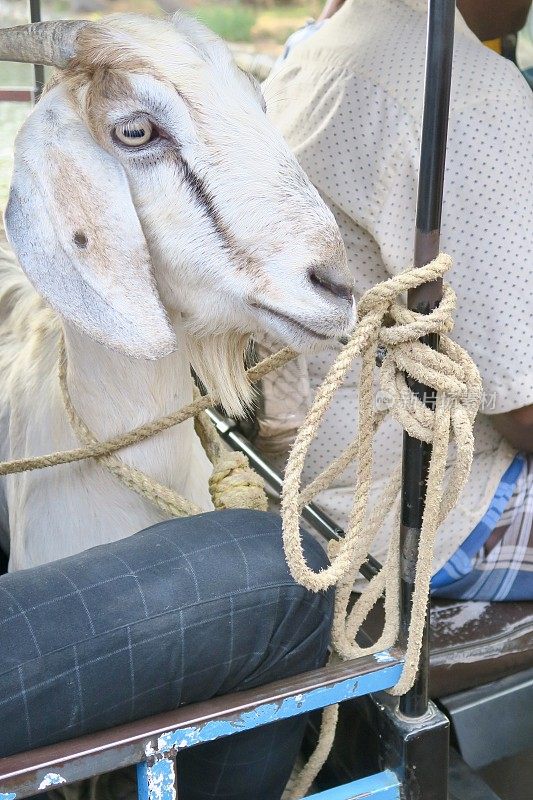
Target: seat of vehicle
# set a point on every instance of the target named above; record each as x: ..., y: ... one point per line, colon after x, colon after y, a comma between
x: 472, y: 643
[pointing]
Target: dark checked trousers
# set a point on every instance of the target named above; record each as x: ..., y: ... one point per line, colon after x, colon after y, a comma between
x: 181, y: 612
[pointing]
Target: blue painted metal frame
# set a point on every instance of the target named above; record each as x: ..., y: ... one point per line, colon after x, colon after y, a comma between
x: 266, y: 713
x: 156, y: 781
x: 381, y: 786
x: 156, y: 778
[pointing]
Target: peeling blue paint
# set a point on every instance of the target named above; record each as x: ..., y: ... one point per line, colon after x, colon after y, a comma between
x: 383, y: 657
x: 289, y: 707
x: 8, y: 796
x: 156, y: 782
x: 381, y: 786
x: 51, y: 779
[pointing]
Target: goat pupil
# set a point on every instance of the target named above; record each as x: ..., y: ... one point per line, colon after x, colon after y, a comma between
x: 80, y: 239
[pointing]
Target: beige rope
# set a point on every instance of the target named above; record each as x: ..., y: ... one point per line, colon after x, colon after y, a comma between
x: 300, y: 781
x: 165, y: 499
x: 385, y: 322
x: 233, y: 483
x: 97, y: 449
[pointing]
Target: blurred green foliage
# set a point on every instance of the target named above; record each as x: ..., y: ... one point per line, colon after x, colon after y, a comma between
x: 232, y: 21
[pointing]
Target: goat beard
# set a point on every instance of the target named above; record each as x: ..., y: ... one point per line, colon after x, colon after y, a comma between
x: 219, y: 362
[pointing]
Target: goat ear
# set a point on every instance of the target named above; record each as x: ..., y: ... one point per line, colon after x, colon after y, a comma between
x: 73, y: 226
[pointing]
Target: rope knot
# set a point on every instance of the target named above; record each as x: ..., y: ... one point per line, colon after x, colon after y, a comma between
x: 385, y: 293
x: 234, y: 484
x: 385, y: 324
x: 396, y: 332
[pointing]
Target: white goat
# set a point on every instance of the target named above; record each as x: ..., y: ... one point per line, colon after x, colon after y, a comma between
x: 163, y: 220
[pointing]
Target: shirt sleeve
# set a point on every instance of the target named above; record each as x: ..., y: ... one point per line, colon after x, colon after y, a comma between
x: 487, y: 227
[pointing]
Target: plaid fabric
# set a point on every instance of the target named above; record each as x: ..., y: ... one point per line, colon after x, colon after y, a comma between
x: 496, y: 561
x: 180, y: 612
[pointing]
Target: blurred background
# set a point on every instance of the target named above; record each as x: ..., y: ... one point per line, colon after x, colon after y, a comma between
x: 255, y: 29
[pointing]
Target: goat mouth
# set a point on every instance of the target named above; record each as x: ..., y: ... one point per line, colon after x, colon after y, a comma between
x: 292, y: 322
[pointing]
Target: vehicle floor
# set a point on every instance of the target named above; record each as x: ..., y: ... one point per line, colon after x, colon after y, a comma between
x: 511, y: 778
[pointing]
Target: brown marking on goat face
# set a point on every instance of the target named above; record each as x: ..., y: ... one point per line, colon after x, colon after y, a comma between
x: 244, y: 261
x: 107, y: 88
x: 101, y: 67
x: 80, y: 239
x: 76, y: 198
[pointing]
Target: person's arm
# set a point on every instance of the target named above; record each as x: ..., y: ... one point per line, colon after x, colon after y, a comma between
x: 331, y: 7
x: 517, y: 427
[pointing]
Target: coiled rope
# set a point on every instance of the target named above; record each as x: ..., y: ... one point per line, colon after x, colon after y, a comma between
x: 384, y: 322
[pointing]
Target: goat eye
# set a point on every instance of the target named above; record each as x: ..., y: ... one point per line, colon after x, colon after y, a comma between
x: 134, y: 133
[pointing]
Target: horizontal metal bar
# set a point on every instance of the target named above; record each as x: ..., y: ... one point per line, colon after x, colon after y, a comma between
x: 381, y: 786
x: 15, y: 94
x: 265, y: 713
x: 22, y: 775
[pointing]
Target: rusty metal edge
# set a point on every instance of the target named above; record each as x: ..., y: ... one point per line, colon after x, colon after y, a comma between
x: 128, y: 744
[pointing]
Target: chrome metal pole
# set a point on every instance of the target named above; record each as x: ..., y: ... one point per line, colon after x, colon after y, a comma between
x: 416, y: 454
x: 228, y: 429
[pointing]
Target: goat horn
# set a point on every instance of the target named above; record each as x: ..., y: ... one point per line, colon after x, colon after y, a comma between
x: 50, y: 43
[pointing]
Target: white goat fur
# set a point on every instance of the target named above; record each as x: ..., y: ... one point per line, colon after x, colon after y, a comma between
x: 193, y: 244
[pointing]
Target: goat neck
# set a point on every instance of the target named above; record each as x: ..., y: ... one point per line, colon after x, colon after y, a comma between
x: 114, y: 393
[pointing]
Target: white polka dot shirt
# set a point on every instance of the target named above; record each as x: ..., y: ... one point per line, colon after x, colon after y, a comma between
x: 349, y: 102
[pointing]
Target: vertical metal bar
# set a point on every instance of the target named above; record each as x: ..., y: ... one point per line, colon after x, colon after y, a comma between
x: 416, y: 454
x: 38, y: 69
x: 157, y: 781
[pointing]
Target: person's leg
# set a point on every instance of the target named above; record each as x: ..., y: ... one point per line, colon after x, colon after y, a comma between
x: 499, y: 568
x: 184, y: 611
x: 291, y: 635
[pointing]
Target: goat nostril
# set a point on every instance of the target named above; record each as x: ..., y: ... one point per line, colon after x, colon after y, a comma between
x: 338, y: 289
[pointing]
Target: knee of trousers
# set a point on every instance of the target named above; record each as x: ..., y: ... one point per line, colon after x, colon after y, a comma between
x: 245, y: 551
x: 161, y: 597
x: 301, y: 633
x: 245, y: 547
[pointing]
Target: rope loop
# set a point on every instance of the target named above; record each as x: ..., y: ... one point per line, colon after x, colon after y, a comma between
x: 233, y: 483
x: 385, y: 322
x: 386, y: 326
